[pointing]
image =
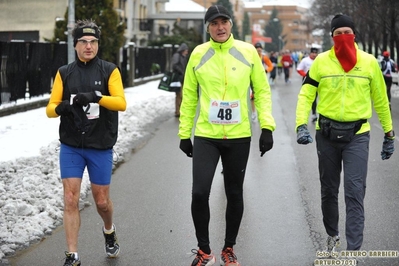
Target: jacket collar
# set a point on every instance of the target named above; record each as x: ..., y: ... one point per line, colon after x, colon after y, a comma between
x: 225, y: 45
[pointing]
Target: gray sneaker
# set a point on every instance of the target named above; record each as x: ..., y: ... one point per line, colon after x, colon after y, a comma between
x: 111, y: 244
x: 332, y: 243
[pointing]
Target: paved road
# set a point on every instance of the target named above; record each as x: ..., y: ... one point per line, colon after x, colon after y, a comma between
x: 282, y: 218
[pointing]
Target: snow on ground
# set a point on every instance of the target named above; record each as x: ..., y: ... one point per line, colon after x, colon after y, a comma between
x: 30, y: 187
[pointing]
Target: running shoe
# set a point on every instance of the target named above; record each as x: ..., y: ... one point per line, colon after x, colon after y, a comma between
x: 332, y: 243
x: 228, y: 258
x: 111, y: 244
x: 203, y: 259
x: 70, y: 259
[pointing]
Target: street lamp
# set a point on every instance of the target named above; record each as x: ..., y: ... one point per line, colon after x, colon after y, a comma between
x: 280, y: 42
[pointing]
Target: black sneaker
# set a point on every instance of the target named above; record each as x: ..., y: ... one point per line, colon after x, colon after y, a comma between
x: 111, y: 244
x: 70, y: 260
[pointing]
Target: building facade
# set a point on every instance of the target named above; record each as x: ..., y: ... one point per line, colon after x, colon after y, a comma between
x: 296, y: 33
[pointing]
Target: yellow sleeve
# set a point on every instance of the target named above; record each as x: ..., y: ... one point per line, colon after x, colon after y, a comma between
x: 116, y: 100
x: 55, y: 97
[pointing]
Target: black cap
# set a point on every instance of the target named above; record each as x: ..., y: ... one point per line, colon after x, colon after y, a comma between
x: 215, y: 12
x: 314, y: 50
x: 341, y: 20
x: 258, y: 45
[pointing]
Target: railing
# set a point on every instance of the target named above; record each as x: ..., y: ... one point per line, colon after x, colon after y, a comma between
x: 28, y: 69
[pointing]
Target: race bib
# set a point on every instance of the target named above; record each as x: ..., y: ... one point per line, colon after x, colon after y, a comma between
x: 92, y: 110
x: 224, y: 112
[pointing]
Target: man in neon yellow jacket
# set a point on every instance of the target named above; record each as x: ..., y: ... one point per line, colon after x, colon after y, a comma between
x: 348, y: 82
x: 218, y: 78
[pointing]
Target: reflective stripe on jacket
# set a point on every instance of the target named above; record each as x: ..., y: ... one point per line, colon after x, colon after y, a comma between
x: 224, y: 71
x: 344, y: 96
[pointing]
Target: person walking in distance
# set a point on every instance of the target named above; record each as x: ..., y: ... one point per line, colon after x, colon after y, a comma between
x: 268, y: 65
x: 179, y: 63
x: 347, y: 79
x: 88, y: 109
x: 287, y: 63
x: 302, y: 69
x: 218, y: 79
x: 274, y: 60
x: 388, y: 66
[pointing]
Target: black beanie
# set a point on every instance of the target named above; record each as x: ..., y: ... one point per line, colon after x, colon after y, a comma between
x: 339, y: 21
x: 85, y: 31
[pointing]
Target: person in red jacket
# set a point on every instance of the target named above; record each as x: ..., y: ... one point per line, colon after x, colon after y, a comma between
x: 287, y: 62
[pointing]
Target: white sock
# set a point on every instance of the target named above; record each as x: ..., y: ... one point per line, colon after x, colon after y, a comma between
x: 75, y: 255
x: 110, y: 230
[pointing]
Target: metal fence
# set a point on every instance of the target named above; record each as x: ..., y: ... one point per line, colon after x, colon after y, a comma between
x: 28, y: 69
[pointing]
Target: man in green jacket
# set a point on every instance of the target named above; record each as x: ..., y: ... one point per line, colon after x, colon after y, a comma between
x: 348, y: 83
x: 217, y: 80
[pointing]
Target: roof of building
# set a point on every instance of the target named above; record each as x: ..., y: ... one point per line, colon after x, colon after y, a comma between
x: 260, y: 3
x: 183, y: 6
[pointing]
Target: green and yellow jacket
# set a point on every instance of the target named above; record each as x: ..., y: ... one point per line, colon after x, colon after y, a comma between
x: 224, y: 73
x: 345, y: 97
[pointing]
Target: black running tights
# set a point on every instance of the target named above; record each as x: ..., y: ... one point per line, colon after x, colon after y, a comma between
x: 234, y: 156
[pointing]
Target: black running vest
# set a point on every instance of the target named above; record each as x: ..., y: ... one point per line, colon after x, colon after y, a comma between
x: 85, y: 77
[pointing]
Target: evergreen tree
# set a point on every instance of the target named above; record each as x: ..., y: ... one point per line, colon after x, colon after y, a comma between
x: 189, y: 36
x: 246, y: 26
x: 229, y: 7
x: 107, y: 19
x: 273, y: 29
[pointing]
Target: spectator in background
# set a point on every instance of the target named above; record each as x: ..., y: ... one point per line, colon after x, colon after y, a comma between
x: 387, y: 67
x: 274, y: 60
x: 179, y: 63
x: 295, y: 58
x: 303, y: 69
x: 268, y: 66
x: 279, y: 64
x: 287, y: 63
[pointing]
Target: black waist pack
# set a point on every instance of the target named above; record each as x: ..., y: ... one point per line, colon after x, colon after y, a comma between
x: 339, y: 131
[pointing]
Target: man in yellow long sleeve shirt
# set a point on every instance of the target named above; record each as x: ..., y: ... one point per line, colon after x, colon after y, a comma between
x: 87, y: 95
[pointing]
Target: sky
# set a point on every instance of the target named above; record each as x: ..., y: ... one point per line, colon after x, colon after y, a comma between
x: 30, y: 186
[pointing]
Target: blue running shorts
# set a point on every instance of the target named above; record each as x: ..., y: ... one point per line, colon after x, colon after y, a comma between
x: 74, y: 160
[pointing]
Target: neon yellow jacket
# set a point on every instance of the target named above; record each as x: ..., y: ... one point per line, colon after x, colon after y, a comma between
x: 224, y: 72
x: 345, y: 97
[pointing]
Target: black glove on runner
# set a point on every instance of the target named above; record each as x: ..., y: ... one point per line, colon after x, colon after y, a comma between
x: 303, y: 135
x: 265, y: 141
x: 84, y: 98
x: 387, y: 148
x: 64, y: 108
x: 187, y: 147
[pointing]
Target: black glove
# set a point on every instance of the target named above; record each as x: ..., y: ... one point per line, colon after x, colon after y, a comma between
x: 84, y: 98
x: 187, y: 147
x: 64, y: 108
x: 387, y: 148
x: 265, y: 141
x: 80, y: 118
x: 303, y: 135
